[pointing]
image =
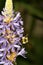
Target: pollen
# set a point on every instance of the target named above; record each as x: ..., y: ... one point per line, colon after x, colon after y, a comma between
x: 11, y: 56
x: 13, y: 36
x: 25, y: 40
x: 8, y: 20
x: 8, y: 36
x: 8, y: 31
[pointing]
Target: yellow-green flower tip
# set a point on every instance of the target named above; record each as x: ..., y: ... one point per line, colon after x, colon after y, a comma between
x: 8, y: 6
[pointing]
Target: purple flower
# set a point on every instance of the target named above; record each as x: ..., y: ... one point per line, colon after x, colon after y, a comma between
x: 11, y: 33
x: 22, y: 52
x: 16, y: 19
x: 1, y: 18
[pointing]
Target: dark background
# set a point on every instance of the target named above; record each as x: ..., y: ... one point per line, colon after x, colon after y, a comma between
x: 32, y: 14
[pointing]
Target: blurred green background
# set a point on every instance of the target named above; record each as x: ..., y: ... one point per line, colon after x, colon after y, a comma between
x: 32, y: 14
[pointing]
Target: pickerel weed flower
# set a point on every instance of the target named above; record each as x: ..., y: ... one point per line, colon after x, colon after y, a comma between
x: 11, y: 34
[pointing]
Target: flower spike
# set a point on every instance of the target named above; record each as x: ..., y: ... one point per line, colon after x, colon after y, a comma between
x: 11, y: 35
